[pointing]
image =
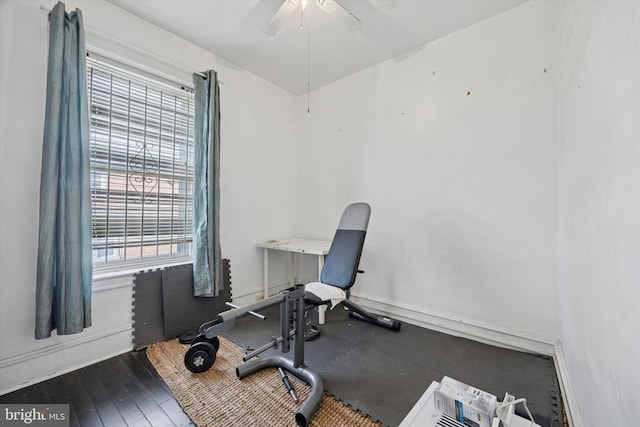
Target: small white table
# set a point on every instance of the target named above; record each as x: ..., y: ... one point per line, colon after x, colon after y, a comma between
x: 293, y: 245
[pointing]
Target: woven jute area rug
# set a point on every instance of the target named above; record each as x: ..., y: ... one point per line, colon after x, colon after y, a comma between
x: 218, y: 398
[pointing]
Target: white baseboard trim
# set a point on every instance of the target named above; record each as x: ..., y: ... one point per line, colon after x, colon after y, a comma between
x: 459, y: 327
x: 63, y: 371
x: 20, y: 358
x: 441, y: 323
x: 574, y: 415
x: 253, y: 296
x: 50, y: 351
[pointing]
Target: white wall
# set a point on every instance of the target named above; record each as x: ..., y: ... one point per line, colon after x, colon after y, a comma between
x: 599, y: 154
x: 259, y: 131
x: 463, y: 187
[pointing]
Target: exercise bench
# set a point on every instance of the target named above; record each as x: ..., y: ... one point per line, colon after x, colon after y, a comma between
x: 297, y: 307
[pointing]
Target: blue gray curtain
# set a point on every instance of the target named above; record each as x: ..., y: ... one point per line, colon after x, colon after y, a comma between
x: 207, y: 259
x: 64, y: 272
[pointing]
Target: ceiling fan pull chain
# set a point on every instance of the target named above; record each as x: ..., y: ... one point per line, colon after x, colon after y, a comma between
x: 309, y: 66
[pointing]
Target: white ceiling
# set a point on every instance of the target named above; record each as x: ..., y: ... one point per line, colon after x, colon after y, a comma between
x: 232, y: 30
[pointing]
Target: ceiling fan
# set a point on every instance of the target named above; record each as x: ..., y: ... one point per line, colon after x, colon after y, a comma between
x: 330, y: 7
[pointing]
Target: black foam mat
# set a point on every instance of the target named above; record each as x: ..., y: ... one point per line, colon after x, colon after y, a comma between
x: 164, y: 306
x: 184, y: 312
x: 383, y: 373
x: 148, y: 319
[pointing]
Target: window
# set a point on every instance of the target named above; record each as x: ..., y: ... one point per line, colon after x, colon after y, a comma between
x: 141, y: 165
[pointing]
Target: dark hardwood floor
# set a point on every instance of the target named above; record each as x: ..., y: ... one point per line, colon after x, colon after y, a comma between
x: 122, y: 391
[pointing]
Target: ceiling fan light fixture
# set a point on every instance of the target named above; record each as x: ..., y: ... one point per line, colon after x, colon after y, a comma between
x: 341, y: 15
x: 280, y: 17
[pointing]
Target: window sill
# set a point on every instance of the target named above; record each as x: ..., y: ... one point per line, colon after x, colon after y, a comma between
x: 121, y: 270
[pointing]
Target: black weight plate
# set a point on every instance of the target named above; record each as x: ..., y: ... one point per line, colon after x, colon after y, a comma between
x: 200, y: 357
x: 199, y: 338
x: 187, y: 337
x: 215, y: 341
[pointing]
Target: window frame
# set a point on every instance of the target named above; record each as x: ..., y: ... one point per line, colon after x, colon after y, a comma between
x: 173, y: 86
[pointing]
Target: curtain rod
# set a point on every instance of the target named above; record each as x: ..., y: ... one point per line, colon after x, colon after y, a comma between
x: 204, y: 76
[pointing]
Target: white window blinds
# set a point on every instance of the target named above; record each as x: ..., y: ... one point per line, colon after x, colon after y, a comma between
x: 141, y: 165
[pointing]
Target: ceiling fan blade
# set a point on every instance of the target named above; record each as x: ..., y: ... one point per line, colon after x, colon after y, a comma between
x: 280, y: 17
x: 340, y: 14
